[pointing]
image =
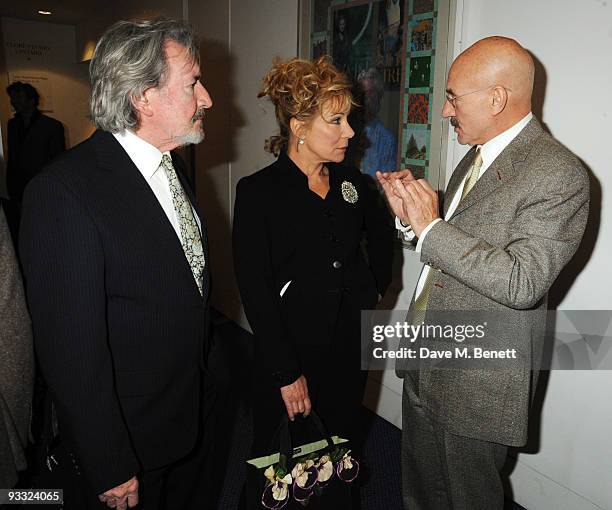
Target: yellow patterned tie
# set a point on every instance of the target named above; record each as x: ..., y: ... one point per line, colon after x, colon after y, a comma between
x: 191, y: 239
x: 420, y: 303
x: 472, y: 176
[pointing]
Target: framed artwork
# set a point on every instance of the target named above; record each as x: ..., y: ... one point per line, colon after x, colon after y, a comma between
x: 365, y: 40
x: 388, y: 48
x: 421, y: 6
x: 418, y: 109
x: 421, y: 35
x: 418, y: 81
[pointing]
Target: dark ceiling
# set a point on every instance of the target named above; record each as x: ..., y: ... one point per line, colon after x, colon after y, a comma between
x: 68, y: 12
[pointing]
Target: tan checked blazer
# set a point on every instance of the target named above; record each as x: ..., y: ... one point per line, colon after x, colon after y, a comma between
x: 500, y: 252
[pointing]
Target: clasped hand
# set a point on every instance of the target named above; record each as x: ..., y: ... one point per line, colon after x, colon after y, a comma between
x: 412, y: 200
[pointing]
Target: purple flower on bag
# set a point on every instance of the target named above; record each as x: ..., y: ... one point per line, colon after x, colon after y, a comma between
x: 307, y: 478
x: 347, y: 468
x: 304, y: 479
x: 325, y: 470
x: 276, y: 494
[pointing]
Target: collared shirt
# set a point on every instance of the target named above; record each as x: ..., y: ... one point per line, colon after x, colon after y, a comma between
x: 489, y: 151
x: 147, y: 159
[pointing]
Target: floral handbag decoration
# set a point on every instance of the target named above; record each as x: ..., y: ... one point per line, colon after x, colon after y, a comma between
x: 303, y: 472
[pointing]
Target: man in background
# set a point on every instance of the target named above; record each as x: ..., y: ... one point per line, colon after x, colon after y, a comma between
x: 33, y: 141
x: 378, y: 145
x: 514, y: 213
x: 116, y: 263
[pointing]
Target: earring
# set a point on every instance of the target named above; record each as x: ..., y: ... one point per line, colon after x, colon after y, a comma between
x: 301, y: 141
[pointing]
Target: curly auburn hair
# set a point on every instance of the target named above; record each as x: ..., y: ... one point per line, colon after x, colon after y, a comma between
x: 299, y: 88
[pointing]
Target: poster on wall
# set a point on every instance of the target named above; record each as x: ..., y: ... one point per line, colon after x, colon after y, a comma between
x: 389, y: 42
x: 388, y: 49
x: 365, y: 40
x: 368, y: 34
x: 353, y: 38
x: 421, y: 35
x: 418, y: 80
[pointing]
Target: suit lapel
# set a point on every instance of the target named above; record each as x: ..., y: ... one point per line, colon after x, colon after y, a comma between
x: 457, y: 177
x: 488, y: 182
x: 131, y: 188
x: 502, y: 169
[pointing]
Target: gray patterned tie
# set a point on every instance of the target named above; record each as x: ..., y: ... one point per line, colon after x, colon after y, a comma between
x: 190, y: 233
x: 420, y: 303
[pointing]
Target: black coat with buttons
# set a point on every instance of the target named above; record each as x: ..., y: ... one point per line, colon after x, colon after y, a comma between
x: 285, y: 232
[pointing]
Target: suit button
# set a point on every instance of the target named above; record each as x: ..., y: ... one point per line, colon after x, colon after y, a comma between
x: 337, y: 264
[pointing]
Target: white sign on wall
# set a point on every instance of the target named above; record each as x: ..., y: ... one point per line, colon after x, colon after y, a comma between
x: 32, y: 51
x: 32, y: 44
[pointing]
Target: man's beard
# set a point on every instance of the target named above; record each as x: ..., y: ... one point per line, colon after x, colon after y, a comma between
x: 194, y: 135
x: 454, y: 122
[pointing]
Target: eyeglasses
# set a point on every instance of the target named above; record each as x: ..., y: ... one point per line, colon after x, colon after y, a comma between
x: 453, y: 99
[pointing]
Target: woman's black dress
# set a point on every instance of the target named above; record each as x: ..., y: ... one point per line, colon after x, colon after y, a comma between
x: 284, y: 232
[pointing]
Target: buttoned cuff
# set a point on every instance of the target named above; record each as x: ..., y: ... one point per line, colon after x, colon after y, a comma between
x: 424, y: 233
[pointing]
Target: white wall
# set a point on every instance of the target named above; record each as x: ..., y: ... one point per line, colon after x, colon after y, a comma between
x: 240, y: 39
x: 570, y: 463
x: 572, y: 41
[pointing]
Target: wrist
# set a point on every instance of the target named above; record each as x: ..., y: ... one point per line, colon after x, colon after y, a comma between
x: 285, y: 378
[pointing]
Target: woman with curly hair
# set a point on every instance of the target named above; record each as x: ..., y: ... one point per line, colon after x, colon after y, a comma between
x: 301, y: 270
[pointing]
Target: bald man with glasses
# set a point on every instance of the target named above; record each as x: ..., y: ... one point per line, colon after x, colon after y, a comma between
x: 514, y: 213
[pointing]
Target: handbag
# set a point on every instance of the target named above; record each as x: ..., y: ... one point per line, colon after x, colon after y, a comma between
x: 292, y: 476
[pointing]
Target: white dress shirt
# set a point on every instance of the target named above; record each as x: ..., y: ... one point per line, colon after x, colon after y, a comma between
x: 489, y: 152
x: 147, y: 159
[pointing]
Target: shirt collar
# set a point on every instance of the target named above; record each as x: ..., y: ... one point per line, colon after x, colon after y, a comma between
x: 145, y: 156
x: 495, y: 146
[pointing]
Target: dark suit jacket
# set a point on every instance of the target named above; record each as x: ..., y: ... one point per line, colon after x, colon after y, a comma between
x: 120, y: 327
x: 497, y: 257
x: 285, y: 232
x: 30, y: 149
x: 16, y: 364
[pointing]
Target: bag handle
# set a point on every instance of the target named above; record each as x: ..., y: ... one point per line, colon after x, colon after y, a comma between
x: 286, y: 448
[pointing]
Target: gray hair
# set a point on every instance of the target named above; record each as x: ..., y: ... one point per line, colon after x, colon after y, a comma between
x: 374, y: 77
x: 129, y: 59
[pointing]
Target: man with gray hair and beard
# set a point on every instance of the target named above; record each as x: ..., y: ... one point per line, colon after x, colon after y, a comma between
x: 117, y: 269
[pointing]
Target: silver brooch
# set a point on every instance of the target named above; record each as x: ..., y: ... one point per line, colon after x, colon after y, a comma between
x: 349, y: 193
